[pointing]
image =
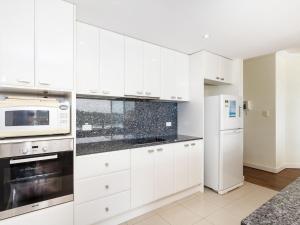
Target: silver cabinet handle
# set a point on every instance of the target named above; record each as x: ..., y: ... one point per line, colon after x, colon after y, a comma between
x: 148, y: 93
x: 93, y: 91
x: 44, y: 83
x: 106, y: 164
x: 106, y: 187
x: 139, y: 92
x: 150, y: 151
x: 106, y: 92
x: 217, y: 78
x: 186, y: 145
x: 173, y: 97
x: 24, y: 81
x: 35, y: 159
x: 179, y: 98
x: 106, y: 209
x: 222, y: 78
x: 193, y: 144
x: 160, y: 149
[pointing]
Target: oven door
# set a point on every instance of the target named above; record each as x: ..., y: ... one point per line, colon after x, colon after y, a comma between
x: 32, y: 183
x: 28, y: 121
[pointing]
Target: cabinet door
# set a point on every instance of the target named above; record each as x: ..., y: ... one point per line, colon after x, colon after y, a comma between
x: 87, y: 59
x: 164, y: 171
x: 196, y: 163
x: 142, y: 176
x: 152, y: 70
x: 181, y: 166
x: 134, y: 67
x: 17, y: 42
x: 168, y: 88
x: 226, y: 70
x: 54, y: 24
x: 212, y: 66
x: 111, y: 64
x: 182, y: 77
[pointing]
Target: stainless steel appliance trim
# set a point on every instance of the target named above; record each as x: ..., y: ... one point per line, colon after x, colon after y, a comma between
x: 19, y: 161
x: 35, y: 206
x: 36, y: 147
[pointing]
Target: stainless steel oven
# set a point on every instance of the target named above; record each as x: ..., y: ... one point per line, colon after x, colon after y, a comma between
x: 35, y: 175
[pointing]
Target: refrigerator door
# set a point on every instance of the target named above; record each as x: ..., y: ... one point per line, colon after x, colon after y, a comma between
x: 231, y: 158
x: 231, y: 112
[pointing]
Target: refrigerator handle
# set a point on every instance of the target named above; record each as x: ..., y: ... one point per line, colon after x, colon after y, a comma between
x: 240, y: 107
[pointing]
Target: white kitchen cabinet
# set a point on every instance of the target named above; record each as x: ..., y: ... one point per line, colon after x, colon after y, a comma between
x: 217, y: 69
x: 196, y: 154
x: 164, y: 171
x: 111, y: 64
x: 95, y: 211
x: 226, y: 70
x: 134, y: 79
x: 17, y: 42
x: 87, y: 59
x: 181, y: 162
x: 142, y: 176
x: 54, y: 44
x: 61, y: 214
x: 175, y: 75
x: 152, y: 70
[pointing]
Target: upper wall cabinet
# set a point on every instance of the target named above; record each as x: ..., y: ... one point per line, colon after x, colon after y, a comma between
x: 142, y: 69
x: 87, y: 59
x: 54, y: 44
x: 217, y: 69
x: 36, y: 44
x: 134, y: 80
x: 17, y: 42
x: 100, y: 61
x: 111, y: 63
x: 175, y: 76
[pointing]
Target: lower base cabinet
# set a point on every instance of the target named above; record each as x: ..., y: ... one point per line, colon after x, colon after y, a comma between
x: 95, y: 211
x: 56, y: 215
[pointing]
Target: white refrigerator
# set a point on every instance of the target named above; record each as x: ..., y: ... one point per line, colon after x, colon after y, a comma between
x: 223, y: 142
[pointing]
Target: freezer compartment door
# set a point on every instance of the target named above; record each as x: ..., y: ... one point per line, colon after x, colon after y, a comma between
x: 231, y: 158
x: 231, y: 112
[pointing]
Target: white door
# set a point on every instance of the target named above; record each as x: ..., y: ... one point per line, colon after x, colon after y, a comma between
x: 111, y: 64
x: 152, y: 70
x: 134, y: 67
x: 181, y: 159
x: 231, y: 158
x: 54, y: 31
x: 196, y: 163
x: 17, y: 42
x: 87, y: 59
x: 182, y: 77
x: 231, y: 112
x: 212, y: 66
x: 142, y: 176
x: 226, y: 70
x: 164, y: 171
x: 168, y: 79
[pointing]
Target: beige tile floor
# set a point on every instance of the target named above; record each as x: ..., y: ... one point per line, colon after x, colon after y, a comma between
x: 209, y: 208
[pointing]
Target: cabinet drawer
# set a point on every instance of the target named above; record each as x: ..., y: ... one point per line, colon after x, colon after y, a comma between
x: 95, y: 211
x: 97, y: 187
x: 102, y: 163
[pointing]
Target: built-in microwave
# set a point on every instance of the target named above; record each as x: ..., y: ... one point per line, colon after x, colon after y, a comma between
x: 29, y: 116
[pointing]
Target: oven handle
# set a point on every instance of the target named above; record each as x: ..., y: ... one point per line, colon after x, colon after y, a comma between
x: 42, y: 158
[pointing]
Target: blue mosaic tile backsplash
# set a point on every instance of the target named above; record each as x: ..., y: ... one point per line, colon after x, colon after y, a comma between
x: 105, y: 120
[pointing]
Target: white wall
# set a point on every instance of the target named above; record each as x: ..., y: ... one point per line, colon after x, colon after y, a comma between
x: 292, y: 118
x: 260, y: 128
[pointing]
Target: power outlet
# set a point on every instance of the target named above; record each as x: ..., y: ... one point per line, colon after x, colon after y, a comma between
x: 168, y: 124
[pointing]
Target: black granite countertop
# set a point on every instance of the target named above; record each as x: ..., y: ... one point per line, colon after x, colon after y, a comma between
x: 282, y: 209
x: 93, y: 146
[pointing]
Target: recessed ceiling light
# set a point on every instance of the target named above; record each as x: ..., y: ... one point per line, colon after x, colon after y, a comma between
x: 205, y: 36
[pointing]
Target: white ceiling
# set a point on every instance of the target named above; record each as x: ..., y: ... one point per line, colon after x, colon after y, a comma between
x: 237, y: 28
